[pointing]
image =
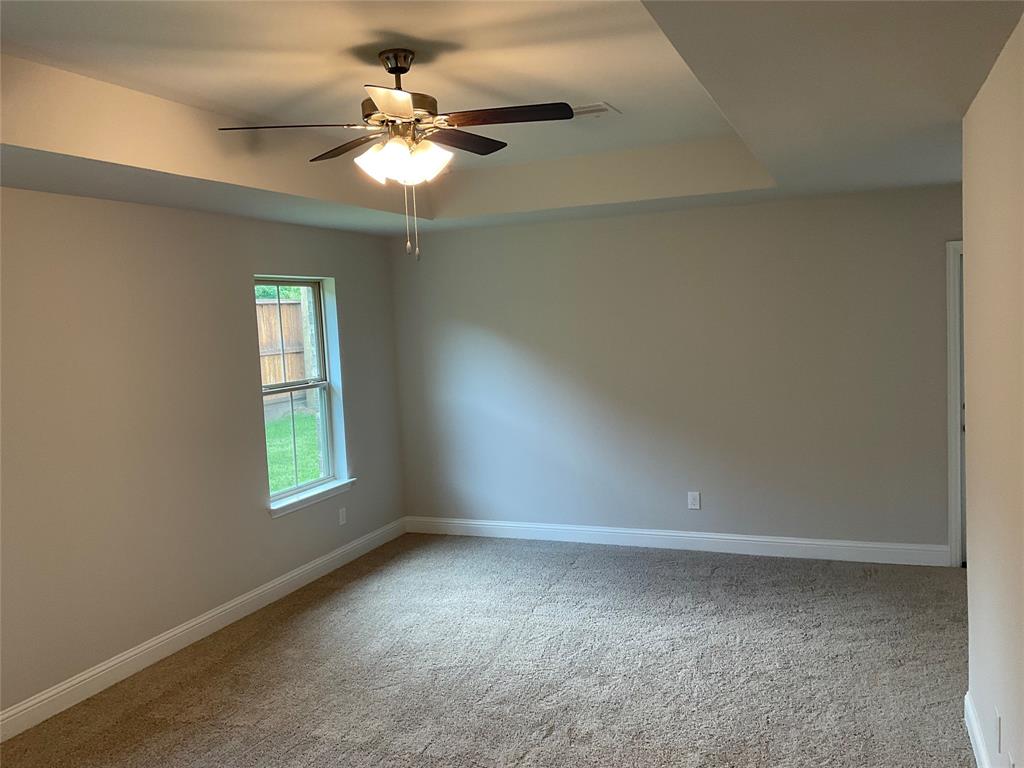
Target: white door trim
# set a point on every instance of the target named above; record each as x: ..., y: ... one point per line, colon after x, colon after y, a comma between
x: 955, y: 396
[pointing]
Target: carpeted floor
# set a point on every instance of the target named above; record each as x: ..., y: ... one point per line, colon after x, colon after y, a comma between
x: 445, y: 651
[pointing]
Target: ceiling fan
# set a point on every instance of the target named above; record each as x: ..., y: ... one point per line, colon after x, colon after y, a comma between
x: 406, y: 128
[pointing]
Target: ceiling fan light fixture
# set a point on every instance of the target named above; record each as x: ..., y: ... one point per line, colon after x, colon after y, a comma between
x: 395, y: 160
x: 403, y: 119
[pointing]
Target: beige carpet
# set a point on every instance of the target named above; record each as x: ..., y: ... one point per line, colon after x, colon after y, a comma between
x: 444, y: 651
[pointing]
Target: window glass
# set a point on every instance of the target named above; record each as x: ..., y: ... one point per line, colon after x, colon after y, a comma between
x: 296, y: 393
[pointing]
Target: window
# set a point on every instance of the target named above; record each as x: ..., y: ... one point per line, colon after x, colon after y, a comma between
x: 297, y: 404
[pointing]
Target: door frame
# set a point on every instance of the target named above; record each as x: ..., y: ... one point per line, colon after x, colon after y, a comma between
x: 955, y: 399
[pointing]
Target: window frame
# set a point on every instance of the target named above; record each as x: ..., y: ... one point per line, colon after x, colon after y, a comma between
x: 279, y: 502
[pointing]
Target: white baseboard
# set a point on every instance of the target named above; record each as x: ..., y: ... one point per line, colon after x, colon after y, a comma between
x: 981, y: 753
x: 776, y: 546
x: 35, y: 709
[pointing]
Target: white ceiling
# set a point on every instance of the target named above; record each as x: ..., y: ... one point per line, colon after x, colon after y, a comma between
x: 308, y: 61
x: 835, y: 96
x: 802, y: 97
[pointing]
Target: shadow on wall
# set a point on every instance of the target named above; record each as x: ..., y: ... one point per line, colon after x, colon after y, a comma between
x: 800, y: 390
x: 514, y: 438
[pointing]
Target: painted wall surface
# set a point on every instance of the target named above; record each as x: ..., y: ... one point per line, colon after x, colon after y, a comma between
x: 994, y: 388
x: 786, y: 359
x: 691, y: 169
x: 133, y: 487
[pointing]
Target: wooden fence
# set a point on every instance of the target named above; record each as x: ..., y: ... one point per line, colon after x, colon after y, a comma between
x: 273, y: 364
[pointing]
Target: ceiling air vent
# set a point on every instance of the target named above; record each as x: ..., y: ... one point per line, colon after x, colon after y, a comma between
x: 595, y: 110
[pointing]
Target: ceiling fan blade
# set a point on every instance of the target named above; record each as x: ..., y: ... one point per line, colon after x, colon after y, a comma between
x: 527, y: 113
x: 391, y: 101
x: 470, y: 142
x: 346, y: 147
x: 310, y: 125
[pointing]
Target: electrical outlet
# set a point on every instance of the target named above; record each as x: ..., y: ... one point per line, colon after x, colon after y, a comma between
x: 693, y: 500
x: 342, y: 516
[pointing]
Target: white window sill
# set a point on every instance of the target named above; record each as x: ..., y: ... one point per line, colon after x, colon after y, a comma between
x: 286, y: 504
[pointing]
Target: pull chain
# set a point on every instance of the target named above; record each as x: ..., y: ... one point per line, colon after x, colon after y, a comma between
x: 408, y: 243
x: 415, y: 223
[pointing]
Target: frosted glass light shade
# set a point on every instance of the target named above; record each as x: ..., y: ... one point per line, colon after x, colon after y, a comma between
x: 428, y: 159
x: 408, y: 166
x: 369, y: 162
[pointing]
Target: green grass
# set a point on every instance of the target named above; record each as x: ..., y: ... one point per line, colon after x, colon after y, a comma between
x: 279, y: 451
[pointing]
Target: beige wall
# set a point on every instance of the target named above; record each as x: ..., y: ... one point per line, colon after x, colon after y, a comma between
x: 787, y: 359
x: 133, y: 490
x: 691, y: 169
x: 994, y: 354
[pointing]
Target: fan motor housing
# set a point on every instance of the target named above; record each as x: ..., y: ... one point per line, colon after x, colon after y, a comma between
x: 423, y: 104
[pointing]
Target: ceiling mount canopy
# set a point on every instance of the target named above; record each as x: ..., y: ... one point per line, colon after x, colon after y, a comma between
x: 397, y: 61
